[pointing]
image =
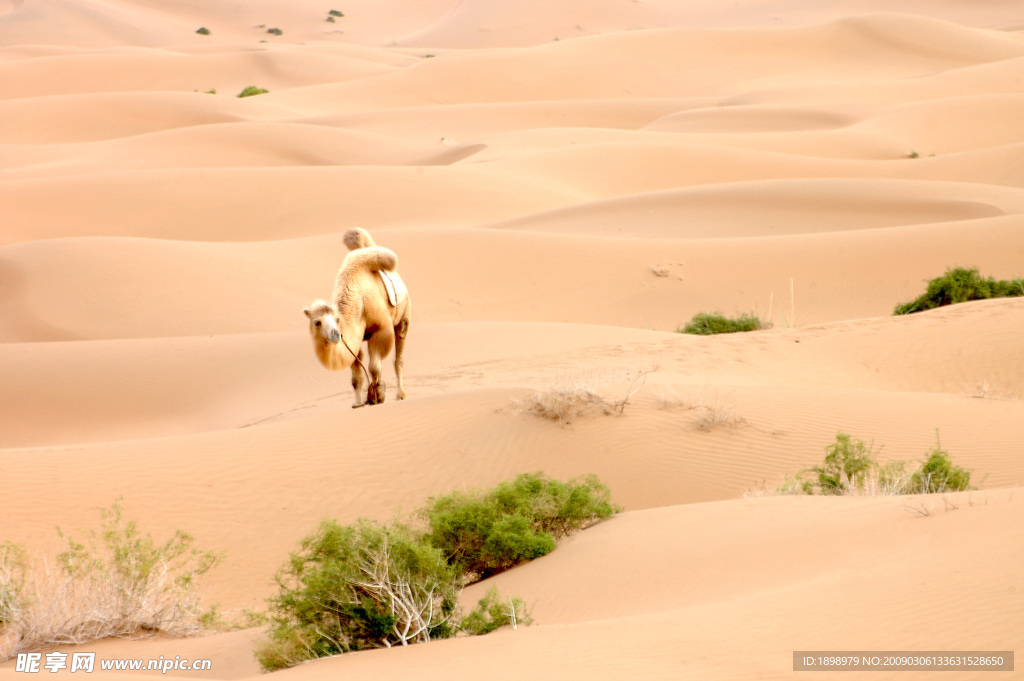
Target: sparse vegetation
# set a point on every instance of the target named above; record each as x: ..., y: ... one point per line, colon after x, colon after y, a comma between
x: 13, y: 573
x: 252, y: 91
x: 571, y: 397
x: 851, y: 467
x: 709, y: 414
x: 275, y: 31
x: 373, y: 585
x: 959, y: 285
x: 335, y: 13
x: 706, y: 324
x: 202, y: 30
x: 116, y: 583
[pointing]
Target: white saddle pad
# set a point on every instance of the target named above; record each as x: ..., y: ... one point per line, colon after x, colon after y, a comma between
x: 389, y: 286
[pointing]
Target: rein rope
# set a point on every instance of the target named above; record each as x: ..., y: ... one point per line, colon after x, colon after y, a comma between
x: 362, y: 366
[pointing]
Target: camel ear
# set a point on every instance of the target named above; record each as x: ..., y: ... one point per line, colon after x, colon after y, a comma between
x: 305, y: 311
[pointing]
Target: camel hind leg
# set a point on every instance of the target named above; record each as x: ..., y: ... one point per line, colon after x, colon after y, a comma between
x: 401, y: 331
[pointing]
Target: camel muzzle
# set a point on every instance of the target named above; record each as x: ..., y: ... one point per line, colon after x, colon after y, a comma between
x: 333, y: 335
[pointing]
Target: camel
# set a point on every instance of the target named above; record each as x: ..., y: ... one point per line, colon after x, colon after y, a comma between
x: 363, y: 309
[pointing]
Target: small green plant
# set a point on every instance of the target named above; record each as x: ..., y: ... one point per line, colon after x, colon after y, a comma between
x: 484, y: 533
x: 335, y: 13
x: 959, y: 285
x: 203, y: 31
x: 252, y: 91
x: 913, y: 154
x: 706, y: 324
x: 493, y: 612
x: 211, y: 91
x: 848, y: 462
x: 275, y: 31
x: 938, y: 474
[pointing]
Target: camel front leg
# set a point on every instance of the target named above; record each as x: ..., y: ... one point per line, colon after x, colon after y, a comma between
x: 358, y: 381
x: 380, y: 345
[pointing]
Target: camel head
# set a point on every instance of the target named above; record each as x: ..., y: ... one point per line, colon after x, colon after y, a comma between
x: 323, y: 322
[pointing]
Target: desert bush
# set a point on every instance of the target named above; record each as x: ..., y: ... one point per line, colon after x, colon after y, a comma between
x: 484, y: 533
x: 13, y: 571
x: 850, y: 467
x: 115, y: 583
x: 706, y: 324
x: 493, y: 612
x: 370, y: 585
x: 275, y: 31
x: 360, y: 586
x: 252, y: 91
x: 960, y: 285
x: 202, y: 30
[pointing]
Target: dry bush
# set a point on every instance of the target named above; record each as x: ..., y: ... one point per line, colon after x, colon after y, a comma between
x: 116, y: 584
x: 710, y: 413
x: 572, y: 396
x: 985, y: 391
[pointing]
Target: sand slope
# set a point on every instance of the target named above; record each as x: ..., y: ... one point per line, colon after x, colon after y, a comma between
x: 565, y: 184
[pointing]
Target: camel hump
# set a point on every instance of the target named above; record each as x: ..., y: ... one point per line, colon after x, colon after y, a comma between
x: 372, y: 259
x: 357, y: 237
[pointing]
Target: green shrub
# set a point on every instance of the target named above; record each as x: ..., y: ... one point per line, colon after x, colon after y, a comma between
x: 369, y: 585
x: 484, y: 533
x: 960, y: 285
x: 493, y: 612
x: 252, y: 91
x: 203, y: 31
x: 938, y: 474
x: 848, y: 462
x: 275, y: 31
x: 359, y: 586
x: 335, y: 13
x: 706, y: 324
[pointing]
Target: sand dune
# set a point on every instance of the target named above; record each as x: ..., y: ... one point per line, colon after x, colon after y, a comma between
x: 774, y: 207
x: 565, y: 184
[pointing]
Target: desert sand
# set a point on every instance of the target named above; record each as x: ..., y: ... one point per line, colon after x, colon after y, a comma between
x: 565, y: 184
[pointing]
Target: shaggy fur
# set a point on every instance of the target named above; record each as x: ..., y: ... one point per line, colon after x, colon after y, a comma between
x: 360, y: 311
